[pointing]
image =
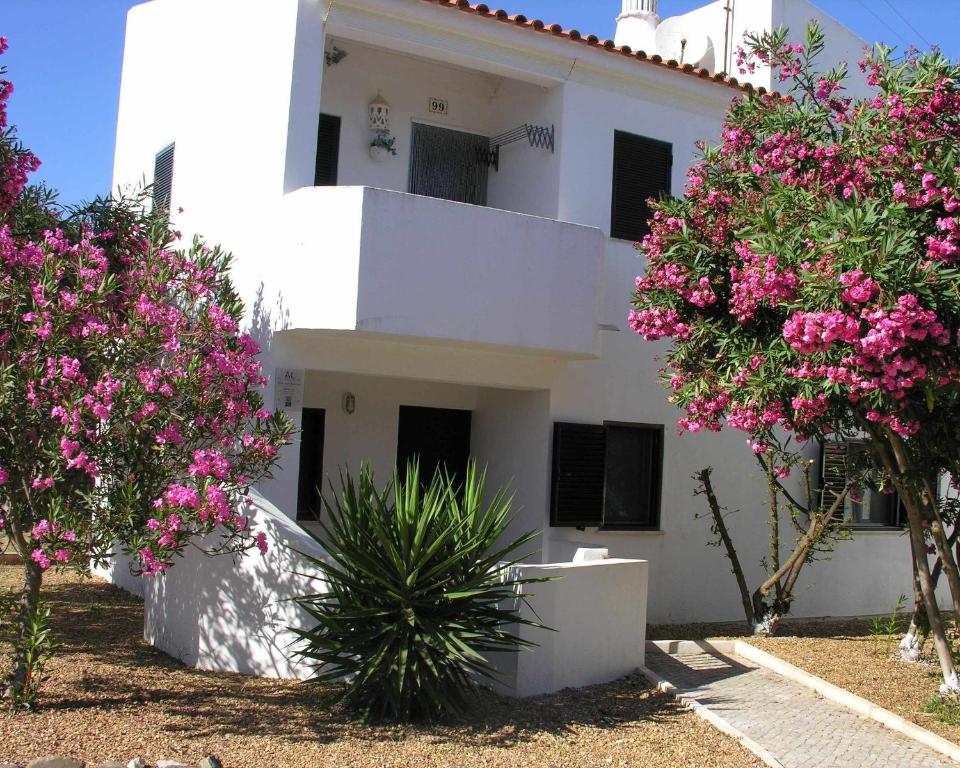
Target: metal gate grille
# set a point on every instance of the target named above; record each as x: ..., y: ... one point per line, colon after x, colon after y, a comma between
x: 449, y: 164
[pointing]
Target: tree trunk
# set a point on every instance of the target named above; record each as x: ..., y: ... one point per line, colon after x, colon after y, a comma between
x: 944, y: 550
x: 29, y: 599
x: 911, y: 646
x: 950, y: 682
x: 721, y: 525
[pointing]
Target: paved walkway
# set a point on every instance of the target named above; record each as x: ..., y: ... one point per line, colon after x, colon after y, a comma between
x: 794, y: 724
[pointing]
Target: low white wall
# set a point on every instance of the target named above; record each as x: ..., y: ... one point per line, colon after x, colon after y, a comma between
x: 230, y: 614
x: 597, y: 612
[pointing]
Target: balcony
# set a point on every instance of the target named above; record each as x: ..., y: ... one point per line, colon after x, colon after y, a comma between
x: 365, y: 259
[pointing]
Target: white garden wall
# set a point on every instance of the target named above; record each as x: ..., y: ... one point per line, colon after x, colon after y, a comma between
x: 230, y: 614
x: 598, y: 613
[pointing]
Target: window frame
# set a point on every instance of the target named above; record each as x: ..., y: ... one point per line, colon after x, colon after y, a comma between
x: 899, y: 518
x: 599, y: 522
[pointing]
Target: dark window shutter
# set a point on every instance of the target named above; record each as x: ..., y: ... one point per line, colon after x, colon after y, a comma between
x: 633, y: 476
x: 311, y: 463
x: 328, y: 151
x: 578, y: 470
x: 163, y: 178
x: 642, y: 169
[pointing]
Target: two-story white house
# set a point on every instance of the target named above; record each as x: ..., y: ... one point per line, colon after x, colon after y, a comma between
x: 466, y: 294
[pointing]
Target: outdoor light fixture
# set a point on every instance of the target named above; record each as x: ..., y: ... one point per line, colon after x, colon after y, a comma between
x: 379, y: 114
x: 349, y: 403
x: 334, y: 56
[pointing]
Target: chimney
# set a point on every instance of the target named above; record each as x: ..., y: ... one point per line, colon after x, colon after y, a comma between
x: 637, y: 24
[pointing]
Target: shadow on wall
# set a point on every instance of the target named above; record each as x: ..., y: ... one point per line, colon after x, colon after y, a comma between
x: 262, y: 322
x: 230, y: 613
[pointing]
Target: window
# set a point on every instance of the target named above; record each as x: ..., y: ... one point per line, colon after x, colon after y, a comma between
x: 872, y: 509
x: 311, y: 464
x: 163, y: 178
x: 641, y: 169
x: 606, y: 475
x: 328, y: 151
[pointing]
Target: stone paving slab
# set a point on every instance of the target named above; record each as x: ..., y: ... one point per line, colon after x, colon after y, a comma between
x: 798, y: 727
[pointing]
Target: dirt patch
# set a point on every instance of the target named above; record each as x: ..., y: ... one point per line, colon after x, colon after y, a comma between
x: 109, y: 695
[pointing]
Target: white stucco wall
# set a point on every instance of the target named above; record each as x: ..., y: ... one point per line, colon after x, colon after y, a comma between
x: 597, y: 614
x: 390, y: 262
x: 231, y: 614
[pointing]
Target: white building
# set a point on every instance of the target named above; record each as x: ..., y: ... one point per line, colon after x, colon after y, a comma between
x: 468, y: 295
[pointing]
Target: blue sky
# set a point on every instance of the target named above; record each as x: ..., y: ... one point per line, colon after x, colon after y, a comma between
x: 65, y: 58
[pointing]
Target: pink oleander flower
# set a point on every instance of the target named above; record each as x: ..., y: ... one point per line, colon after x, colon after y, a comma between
x: 40, y: 558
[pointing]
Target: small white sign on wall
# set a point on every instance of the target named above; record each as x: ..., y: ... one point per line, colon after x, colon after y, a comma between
x: 439, y: 106
x: 288, y: 389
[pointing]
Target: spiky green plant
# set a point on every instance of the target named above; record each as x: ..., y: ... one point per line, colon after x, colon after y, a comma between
x: 419, y: 590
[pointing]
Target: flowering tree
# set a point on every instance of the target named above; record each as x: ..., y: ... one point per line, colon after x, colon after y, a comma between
x: 129, y: 416
x: 808, y: 279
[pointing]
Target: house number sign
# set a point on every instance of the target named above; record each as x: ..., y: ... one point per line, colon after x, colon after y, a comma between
x: 288, y: 389
x: 439, y: 106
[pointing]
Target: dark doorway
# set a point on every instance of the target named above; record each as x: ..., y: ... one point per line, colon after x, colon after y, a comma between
x: 311, y: 464
x: 451, y: 165
x: 438, y: 436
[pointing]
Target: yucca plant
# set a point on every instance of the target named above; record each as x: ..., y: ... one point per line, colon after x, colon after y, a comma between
x: 419, y: 590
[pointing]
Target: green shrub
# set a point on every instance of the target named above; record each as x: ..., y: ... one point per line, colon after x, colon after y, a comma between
x: 945, y: 709
x: 419, y: 592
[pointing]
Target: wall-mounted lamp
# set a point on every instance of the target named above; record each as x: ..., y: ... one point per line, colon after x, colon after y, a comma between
x: 349, y: 403
x: 379, y: 114
x: 334, y: 56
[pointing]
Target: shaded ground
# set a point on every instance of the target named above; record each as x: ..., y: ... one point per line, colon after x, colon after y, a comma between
x: 109, y: 695
x: 846, y: 654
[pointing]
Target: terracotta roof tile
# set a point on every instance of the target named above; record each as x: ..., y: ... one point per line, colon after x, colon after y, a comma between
x: 482, y: 10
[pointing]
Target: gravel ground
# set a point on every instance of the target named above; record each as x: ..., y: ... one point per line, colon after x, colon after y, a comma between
x: 844, y: 653
x: 109, y: 695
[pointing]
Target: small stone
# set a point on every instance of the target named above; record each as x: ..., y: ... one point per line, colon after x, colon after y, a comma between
x: 137, y: 762
x: 55, y: 761
x: 172, y: 764
x: 10, y: 765
x: 210, y: 761
x: 111, y: 764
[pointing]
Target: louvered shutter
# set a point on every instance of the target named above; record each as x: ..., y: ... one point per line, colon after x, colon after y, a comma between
x: 642, y: 169
x: 328, y: 151
x: 833, y: 472
x: 578, y: 474
x: 163, y: 178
